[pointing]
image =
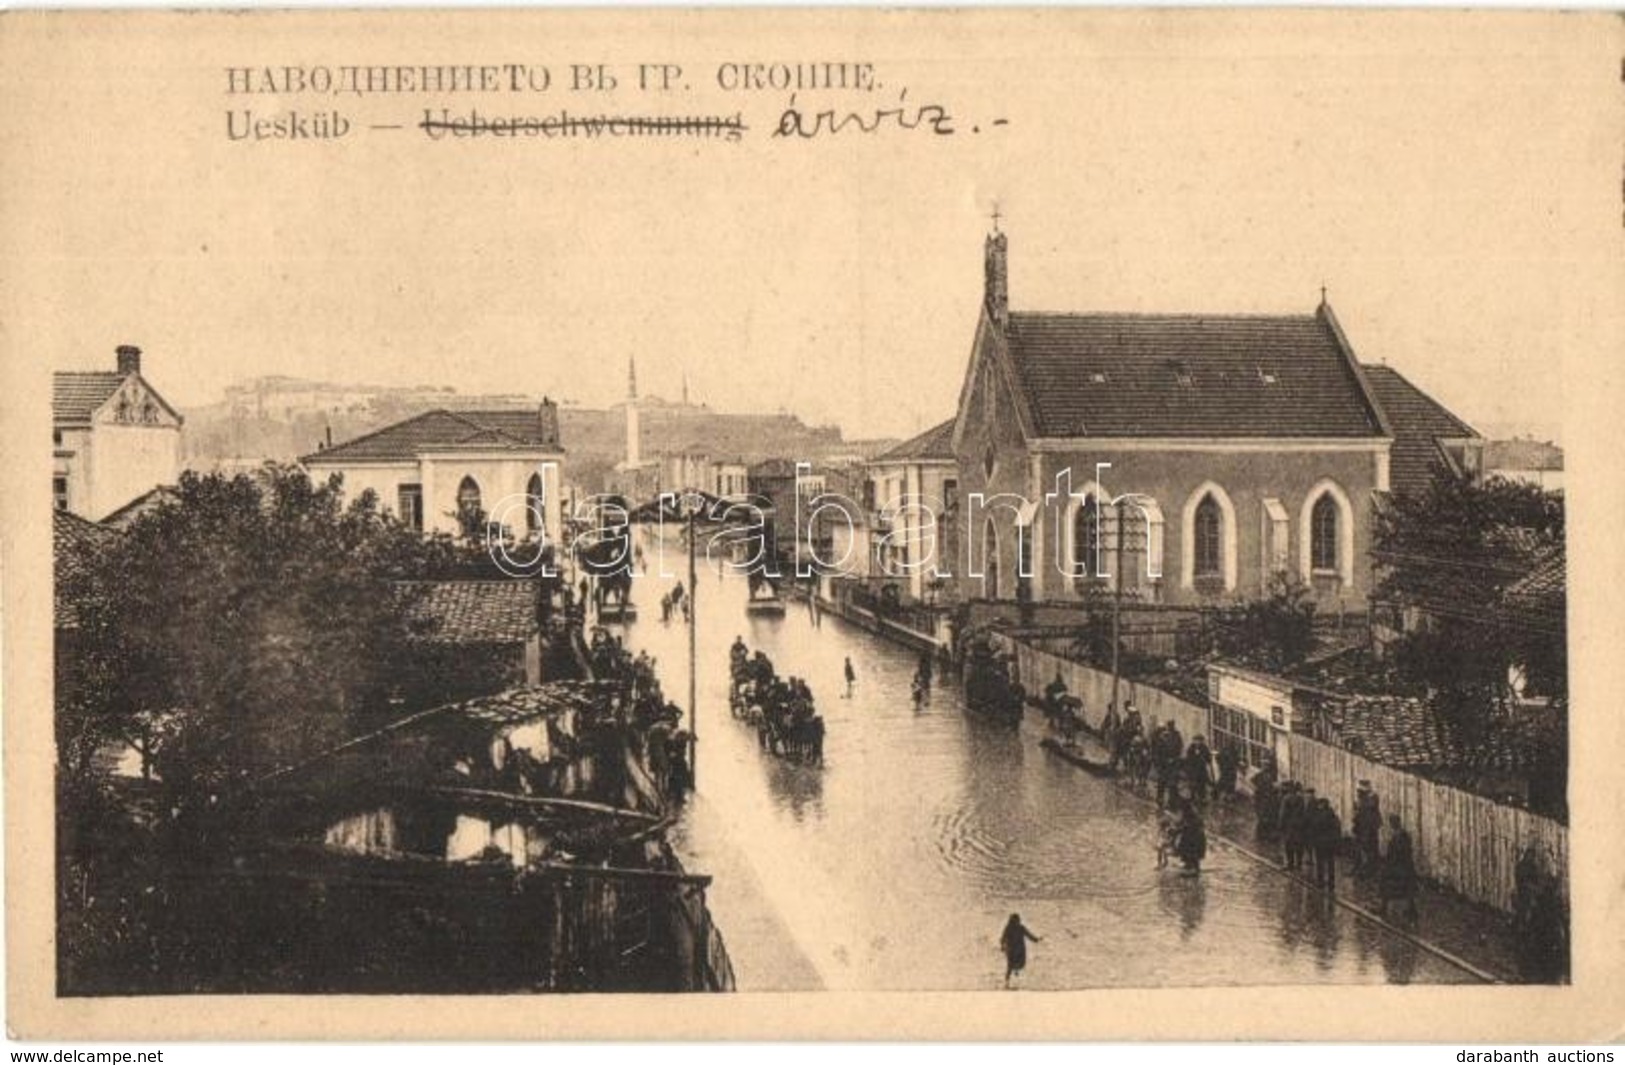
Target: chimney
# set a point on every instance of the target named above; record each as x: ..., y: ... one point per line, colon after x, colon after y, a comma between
x: 996, y: 279
x: 549, y: 417
x: 129, y: 359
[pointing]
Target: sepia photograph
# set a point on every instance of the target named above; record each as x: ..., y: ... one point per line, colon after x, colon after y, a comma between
x: 789, y: 503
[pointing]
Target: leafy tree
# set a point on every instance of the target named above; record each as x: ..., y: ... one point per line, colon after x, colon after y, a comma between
x: 246, y: 625
x: 1451, y: 553
x: 1277, y: 631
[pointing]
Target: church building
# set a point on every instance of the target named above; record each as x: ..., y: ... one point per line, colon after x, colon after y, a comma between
x: 1240, y: 448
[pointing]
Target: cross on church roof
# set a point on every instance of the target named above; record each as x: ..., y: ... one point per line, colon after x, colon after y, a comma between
x: 996, y: 216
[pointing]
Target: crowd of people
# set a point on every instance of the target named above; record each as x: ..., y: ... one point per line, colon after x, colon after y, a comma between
x: 1310, y: 832
x: 656, y: 723
x: 781, y: 709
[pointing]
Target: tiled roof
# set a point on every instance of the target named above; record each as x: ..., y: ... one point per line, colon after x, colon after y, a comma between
x: 75, y: 396
x: 1522, y: 455
x: 125, y: 516
x: 1418, y: 422
x: 419, y: 748
x: 1188, y: 376
x: 473, y: 612
x: 1541, y: 597
x: 770, y: 468
x: 440, y: 430
x: 73, y: 542
x: 935, y: 443
x: 1408, y: 733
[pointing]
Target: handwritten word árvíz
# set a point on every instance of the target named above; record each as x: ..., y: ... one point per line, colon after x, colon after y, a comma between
x: 794, y: 122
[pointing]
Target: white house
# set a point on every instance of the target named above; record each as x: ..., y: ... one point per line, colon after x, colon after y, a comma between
x: 114, y: 438
x: 430, y: 469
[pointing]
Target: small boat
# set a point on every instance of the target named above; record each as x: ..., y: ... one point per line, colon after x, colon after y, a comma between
x: 764, y: 598
x: 1076, y: 756
x: 771, y: 606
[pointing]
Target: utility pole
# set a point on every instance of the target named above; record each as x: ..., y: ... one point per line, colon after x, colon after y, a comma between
x: 693, y: 661
x: 1117, y: 601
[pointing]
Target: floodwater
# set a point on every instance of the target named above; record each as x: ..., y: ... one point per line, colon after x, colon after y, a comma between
x: 896, y: 864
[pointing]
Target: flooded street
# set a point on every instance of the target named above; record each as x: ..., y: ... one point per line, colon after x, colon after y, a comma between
x: 896, y: 864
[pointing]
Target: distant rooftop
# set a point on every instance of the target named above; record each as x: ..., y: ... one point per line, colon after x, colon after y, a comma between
x: 439, y: 430
x: 1522, y: 455
x: 936, y: 444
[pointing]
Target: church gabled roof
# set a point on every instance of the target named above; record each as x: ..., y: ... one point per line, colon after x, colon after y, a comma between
x: 440, y: 430
x: 1189, y: 376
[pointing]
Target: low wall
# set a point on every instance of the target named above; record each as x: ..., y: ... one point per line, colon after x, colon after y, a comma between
x: 936, y: 641
x: 1035, y: 669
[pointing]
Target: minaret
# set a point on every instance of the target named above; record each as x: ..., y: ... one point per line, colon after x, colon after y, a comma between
x: 632, y: 456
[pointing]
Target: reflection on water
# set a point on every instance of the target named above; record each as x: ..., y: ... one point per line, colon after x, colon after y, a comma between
x: 895, y: 865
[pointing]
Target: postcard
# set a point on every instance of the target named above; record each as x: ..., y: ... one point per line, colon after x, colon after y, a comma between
x: 1013, y: 524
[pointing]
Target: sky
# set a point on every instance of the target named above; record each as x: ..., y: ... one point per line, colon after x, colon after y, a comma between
x: 1454, y: 185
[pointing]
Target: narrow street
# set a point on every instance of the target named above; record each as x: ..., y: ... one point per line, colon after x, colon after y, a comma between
x: 896, y: 864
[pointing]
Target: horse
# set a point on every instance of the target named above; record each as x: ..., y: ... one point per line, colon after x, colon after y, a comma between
x: 803, y: 740
x: 739, y: 698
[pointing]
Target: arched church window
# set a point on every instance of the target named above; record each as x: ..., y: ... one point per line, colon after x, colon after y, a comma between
x: 1323, y: 535
x: 1208, y: 548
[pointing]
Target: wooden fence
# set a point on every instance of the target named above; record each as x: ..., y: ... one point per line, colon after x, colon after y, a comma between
x: 1464, y: 842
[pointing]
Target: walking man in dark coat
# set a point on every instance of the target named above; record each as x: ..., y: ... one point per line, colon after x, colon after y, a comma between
x: 1367, y: 829
x: 1167, y: 750
x: 1326, y: 832
x: 1014, y: 944
x: 1399, y: 869
x: 1266, y: 801
x: 1229, y: 764
x: 1190, y: 842
x: 1292, y: 817
x: 1199, y: 769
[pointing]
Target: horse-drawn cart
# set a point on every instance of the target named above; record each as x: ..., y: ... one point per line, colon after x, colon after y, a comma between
x: 781, y: 711
x: 990, y: 689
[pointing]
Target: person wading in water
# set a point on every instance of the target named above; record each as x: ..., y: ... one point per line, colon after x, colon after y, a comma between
x: 1014, y: 943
